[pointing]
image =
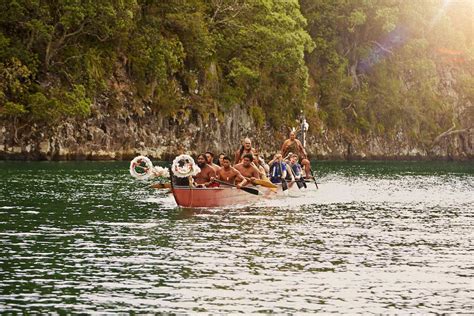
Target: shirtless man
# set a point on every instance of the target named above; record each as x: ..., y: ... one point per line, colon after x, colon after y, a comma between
x: 210, y: 160
x: 229, y: 174
x: 248, y: 169
x: 293, y: 145
x: 203, y: 178
x: 245, y: 149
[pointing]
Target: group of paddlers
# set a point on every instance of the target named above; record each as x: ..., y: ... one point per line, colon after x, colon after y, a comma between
x: 249, y: 167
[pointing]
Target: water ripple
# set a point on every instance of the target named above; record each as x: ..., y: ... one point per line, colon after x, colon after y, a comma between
x: 379, y: 238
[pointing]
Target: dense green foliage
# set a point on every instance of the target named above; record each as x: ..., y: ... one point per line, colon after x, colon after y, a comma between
x: 382, y: 66
x: 371, y: 66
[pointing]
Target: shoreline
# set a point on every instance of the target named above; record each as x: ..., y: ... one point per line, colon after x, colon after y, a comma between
x: 170, y: 157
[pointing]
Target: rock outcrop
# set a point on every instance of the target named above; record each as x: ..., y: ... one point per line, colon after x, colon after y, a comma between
x: 123, y: 135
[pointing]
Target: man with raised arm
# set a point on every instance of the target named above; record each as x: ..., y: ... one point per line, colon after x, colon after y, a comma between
x: 293, y: 145
x: 277, y: 169
x: 262, y: 167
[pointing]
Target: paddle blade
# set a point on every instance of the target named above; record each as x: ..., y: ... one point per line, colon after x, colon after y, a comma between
x: 250, y: 190
x: 314, y: 178
x: 299, y: 184
x: 284, y: 185
x: 303, y: 183
x: 161, y: 185
x: 265, y: 183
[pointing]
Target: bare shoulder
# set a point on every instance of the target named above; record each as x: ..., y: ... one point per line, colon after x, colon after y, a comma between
x: 212, y: 170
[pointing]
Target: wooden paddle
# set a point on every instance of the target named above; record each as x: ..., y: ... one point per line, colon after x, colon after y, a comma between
x: 265, y: 183
x: 303, y: 183
x: 284, y: 185
x: 293, y: 178
x: 246, y: 189
x: 299, y: 182
x: 314, y: 178
x: 166, y: 185
x: 141, y: 167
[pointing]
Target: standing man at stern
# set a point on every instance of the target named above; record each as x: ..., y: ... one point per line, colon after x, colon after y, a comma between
x: 293, y: 145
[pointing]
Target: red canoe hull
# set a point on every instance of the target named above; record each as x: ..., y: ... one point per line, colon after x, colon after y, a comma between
x: 217, y: 197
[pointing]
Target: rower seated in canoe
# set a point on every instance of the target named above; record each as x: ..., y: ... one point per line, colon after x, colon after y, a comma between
x: 277, y: 169
x: 248, y: 169
x: 203, y: 178
x: 230, y: 175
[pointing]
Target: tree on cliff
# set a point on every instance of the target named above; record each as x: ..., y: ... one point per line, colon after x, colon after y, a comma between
x: 377, y: 67
x: 51, y: 52
x: 372, y: 67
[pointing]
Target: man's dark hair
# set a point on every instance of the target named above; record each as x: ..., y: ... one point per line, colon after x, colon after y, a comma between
x: 203, y: 156
x: 218, y: 161
x: 249, y: 156
x: 226, y: 158
x: 210, y: 153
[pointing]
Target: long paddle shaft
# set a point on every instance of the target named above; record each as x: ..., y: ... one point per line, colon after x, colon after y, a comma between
x: 143, y: 168
x: 166, y: 185
x: 246, y: 189
x: 290, y: 170
x: 299, y: 182
x: 284, y: 185
x: 265, y: 183
x: 314, y: 178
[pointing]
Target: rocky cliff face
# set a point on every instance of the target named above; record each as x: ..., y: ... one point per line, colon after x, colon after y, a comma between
x: 129, y: 130
x: 340, y: 146
x: 123, y: 135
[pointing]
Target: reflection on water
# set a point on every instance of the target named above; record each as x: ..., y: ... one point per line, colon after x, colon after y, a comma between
x: 376, y: 237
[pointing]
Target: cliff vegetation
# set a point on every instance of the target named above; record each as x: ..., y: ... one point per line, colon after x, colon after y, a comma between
x: 109, y: 76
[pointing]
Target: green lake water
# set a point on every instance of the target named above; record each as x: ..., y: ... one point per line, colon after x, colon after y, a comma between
x: 378, y: 237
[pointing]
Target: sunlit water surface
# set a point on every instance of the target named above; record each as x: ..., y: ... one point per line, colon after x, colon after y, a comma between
x: 376, y: 237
